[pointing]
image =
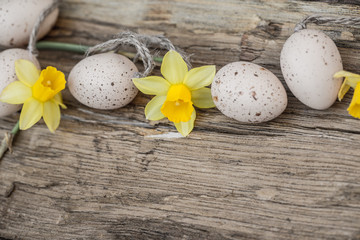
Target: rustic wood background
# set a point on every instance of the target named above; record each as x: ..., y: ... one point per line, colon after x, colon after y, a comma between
x: 114, y: 175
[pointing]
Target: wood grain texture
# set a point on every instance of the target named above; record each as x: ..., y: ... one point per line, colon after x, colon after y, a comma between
x: 115, y: 175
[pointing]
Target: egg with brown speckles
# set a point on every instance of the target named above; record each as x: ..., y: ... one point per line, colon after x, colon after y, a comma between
x: 248, y: 92
x: 8, y: 75
x: 103, y: 81
x: 309, y: 60
x: 17, y: 19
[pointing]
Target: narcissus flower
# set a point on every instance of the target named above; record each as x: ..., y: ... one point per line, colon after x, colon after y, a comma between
x: 40, y: 92
x: 351, y: 80
x: 178, y: 92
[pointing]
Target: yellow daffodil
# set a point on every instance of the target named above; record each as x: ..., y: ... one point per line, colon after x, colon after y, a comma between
x: 40, y: 92
x: 351, y: 80
x: 177, y: 92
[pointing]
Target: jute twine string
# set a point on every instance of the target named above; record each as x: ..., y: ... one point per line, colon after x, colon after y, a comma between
x: 33, y: 37
x: 130, y: 39
x: 161, y: 42
x: 142, y: 43
x: 320, y: 20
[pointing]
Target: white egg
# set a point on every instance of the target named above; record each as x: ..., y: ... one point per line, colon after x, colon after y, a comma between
x: 248, y: 93
x: 308, y: 61
x: 103, y: 81
x: 8, y: 75
x: 17, y: 18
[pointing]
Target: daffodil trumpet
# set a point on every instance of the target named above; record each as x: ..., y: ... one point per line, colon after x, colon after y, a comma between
x: 178, y: 92
x: 351, y: 81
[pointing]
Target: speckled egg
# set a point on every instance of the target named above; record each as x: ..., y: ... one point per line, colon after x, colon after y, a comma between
x: 248, y: 93
x: 309, y: 59
x: 103, y: 81
x: 8, y: 75
x: 17, y: 18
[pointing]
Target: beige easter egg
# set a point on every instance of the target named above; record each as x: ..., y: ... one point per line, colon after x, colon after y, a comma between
x: 18, y: 17
x: 103, y: 81
x: 248, y: 92
x: 309, y: 59
x: 8, y: 75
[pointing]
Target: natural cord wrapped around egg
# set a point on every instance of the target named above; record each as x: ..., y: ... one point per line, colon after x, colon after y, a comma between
x: 17, y: 18
x: 309, y: 59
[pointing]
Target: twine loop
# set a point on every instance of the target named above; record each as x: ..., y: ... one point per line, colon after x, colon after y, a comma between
x: 126, y: 38
x: 161, y: 42
x: 142, y: 43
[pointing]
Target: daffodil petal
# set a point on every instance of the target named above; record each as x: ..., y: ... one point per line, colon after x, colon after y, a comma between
x: 26, y: 72
x: 351, y: 79
x: 153, y: 108
x: 200, y: 77
x: 173, y: 67
x: 59, y: 101
x: 152, y: 85
x: 345, y: 74
x: 15, y: 93
x: 202, y: 98
x: 343, y: 90
x: 354, y: 108
x: 185, y: 128
x: 31, y: 113
x: 52, y: 115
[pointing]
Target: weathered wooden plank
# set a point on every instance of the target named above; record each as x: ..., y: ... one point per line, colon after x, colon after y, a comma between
x: 114, y: 175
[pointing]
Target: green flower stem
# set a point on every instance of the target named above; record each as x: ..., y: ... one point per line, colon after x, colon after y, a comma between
x: 78, y: 48
x: 7, y: 141
x: 69, y: 47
